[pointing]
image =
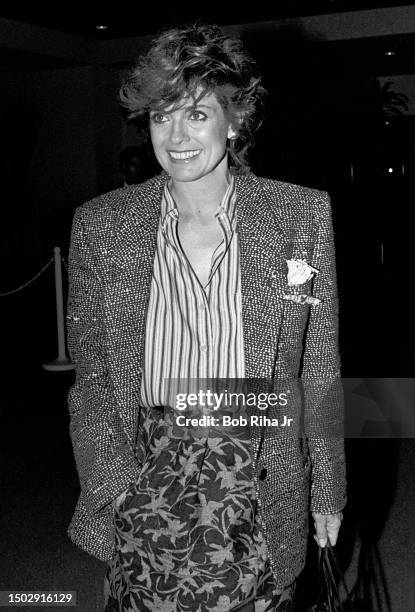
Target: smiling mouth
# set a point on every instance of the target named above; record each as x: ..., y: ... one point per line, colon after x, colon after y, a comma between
x: 184, y: 154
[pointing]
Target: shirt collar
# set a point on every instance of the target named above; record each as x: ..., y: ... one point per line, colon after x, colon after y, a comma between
x: 168, y: 205
x: 227, y: 205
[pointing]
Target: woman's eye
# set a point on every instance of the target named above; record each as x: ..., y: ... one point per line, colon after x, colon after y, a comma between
x: 197, y: 116
x: 158, y: 117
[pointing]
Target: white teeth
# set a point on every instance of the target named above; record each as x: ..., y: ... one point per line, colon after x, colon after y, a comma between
x: 184, y: 154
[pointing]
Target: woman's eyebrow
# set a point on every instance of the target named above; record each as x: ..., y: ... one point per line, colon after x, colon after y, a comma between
x: 197, y: 105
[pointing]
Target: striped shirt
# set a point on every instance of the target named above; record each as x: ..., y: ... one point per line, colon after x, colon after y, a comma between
x: 192, y: 332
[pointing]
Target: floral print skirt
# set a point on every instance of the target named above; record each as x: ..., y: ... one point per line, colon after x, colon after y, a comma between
x: 188, y: 538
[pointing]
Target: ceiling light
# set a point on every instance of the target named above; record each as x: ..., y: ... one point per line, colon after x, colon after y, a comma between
x: 101, y: 27
x: 390, y: 53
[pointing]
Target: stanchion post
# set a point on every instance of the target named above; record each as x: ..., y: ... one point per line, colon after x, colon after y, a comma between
x: 62, y: 362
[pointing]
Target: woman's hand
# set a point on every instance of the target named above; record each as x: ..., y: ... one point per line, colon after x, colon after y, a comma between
x: 327, y: 526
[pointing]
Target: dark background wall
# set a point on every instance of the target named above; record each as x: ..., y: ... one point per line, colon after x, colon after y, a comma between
x: 61, y: 134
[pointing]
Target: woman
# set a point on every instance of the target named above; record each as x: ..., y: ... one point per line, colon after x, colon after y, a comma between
x: 203, y: 272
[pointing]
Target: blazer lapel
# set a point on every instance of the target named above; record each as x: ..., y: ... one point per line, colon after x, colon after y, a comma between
x: 263, y: 252
x: 127, y: 295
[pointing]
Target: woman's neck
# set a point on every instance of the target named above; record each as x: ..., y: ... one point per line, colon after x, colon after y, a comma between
x: 201, y: 197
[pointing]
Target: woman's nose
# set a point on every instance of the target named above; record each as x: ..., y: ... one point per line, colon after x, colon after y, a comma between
x: 178, y: 131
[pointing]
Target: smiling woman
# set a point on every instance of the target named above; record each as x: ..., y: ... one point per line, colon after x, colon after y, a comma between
x: 205, y: 519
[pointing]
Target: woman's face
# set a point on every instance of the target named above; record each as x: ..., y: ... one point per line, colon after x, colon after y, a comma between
x: 190, y: 142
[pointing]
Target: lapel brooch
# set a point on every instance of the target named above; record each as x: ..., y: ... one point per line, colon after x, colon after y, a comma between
x: 299, y: 272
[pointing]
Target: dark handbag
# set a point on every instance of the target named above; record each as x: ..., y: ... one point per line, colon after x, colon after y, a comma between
x: 331, y: 577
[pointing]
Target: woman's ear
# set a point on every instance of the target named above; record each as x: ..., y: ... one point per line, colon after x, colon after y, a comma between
x: 231, y: 133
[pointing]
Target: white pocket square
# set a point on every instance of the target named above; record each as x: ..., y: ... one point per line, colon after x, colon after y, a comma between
x: 299, y: 272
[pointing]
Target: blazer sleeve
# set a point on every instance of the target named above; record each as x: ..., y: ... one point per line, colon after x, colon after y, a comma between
x: 321, y: 378
x: 105, y: 461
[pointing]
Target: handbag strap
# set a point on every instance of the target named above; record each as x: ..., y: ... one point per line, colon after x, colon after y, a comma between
x: 332, y: 562
x: 331, y: 597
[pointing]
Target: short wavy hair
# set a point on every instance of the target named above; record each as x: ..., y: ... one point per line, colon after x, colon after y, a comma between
x: 194, y: 61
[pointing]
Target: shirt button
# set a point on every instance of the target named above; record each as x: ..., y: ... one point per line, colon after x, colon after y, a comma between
x: 202, y: 306
x: 203, y: 347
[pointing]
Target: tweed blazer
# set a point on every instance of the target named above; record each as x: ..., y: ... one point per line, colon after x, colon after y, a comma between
x: 111, y: 258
